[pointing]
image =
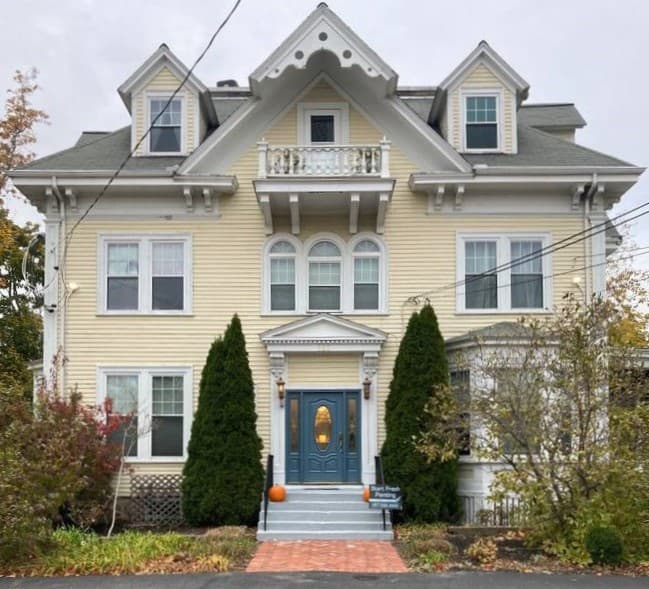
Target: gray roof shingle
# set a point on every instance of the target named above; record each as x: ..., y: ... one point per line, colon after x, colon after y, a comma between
x: 106, y: 151
x: 103, y: 152
x: 501, y: 330
x: 537, y: 148
x: 548, y: 116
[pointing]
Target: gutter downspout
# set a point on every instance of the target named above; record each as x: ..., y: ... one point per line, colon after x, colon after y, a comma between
x: 588, y: 245
x: 61, y: 255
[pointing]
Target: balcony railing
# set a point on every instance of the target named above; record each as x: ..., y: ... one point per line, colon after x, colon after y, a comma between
x: 282, y: 161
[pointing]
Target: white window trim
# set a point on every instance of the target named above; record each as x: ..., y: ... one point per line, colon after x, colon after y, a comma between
x: 145, y: 405
x: 340, y: 259
x: 158, y: 95
x: 347, y: 274
x: 503, y: 256
x: 499, y: 94
x: 340, y: 112
x: 145, y: 264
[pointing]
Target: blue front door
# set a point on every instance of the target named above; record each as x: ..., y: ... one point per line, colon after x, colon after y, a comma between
x: 323, y: 437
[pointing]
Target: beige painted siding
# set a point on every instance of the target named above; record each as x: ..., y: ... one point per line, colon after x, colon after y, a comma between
x: 481, y: 77
x: 165, y: 81
x: 334, y: 369
x: 227, y: 269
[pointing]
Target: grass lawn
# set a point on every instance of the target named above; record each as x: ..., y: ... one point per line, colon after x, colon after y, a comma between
x: 73, y: 552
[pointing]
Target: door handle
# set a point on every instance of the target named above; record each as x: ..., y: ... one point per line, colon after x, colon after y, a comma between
x: 340, y: 440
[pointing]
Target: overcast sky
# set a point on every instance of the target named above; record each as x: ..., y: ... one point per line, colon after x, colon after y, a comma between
x: 590, y: 52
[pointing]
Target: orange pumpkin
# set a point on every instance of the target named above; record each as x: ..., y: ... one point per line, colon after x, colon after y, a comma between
x: 366, y: 494
x: 277, y: 493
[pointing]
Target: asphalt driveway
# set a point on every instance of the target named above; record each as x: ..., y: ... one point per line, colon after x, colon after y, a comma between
x: 459, y: 580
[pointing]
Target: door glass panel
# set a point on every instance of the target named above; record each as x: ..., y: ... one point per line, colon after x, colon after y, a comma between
x: 294, y: 416
x: 322, y: 428
x: 351, y: 425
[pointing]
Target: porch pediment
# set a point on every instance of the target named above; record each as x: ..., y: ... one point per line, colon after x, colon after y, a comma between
x: 323, y: 333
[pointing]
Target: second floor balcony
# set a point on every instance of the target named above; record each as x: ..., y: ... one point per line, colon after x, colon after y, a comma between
x: 311, y: 161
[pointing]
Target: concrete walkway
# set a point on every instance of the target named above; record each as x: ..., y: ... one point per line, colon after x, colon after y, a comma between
x: 343, y: 556
x: 462, y: 580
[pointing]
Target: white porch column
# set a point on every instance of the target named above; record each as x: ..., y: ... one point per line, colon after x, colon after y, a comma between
x: 277, y: 429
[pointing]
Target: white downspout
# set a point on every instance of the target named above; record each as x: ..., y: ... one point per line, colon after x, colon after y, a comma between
x: 588, y: 246
x: 61, y: 249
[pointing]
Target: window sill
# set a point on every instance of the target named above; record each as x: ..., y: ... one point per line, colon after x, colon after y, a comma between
x: 494, y: 150
x: 144, y: 314
x: 517, y: 312
x: 311, y: 313
x: 156, y: 460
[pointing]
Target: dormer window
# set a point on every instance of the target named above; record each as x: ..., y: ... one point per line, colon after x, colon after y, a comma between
x: 166, y: 131
x: 481, y: 123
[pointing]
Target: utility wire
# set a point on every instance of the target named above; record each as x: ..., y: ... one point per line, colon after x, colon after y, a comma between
x: 120, y: 168
x: 553, y: 247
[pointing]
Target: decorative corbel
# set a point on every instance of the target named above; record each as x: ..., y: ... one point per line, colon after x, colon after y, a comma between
x: 72, y: 199
x: 354, y: 206
x: 264, y: 203
x: 277, y: 364
x: 459, y: 197
x: 384, y: 199
x: 189, y: 203
x: 51, y: 198
x: 370, y: 364
x: 576, y: 197
x: 436, y: 199
x: 294, y: 206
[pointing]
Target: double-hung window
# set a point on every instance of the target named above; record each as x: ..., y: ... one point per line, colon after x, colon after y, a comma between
x: 481, y: 122
x: 503, y: 273
x: 166, y: 125
x: 155, y: 409
x: 122, y: 276
x: 145, y: 274
x: 282, y: 276
x: 366, y: 256
x: 325, y: 277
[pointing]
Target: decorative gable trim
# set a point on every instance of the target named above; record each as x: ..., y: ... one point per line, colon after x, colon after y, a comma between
x: 323, y: 332
x: 323, y: 30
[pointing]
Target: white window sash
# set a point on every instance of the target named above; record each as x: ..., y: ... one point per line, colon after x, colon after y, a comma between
x: 145, y: 405
x: 499, y: 95
x: 145, y: 273
x: 504, y: 276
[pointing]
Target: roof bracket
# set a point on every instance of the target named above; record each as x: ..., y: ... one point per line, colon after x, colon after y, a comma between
x: 189, y: 202
x: 72, y: 199
x: 576, y: 196
x: 459, y: 197
x: 436, y: 199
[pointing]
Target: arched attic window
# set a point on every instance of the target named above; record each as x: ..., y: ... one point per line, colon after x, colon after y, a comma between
x: 282, y: 276
x: 325, y: 276
x: 367, y: 275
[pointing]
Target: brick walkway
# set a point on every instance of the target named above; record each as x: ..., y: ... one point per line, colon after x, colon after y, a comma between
x: 345, y: 556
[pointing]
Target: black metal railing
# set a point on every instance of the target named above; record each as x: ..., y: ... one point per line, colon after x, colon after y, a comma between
x: 269, y: 483
x: 380, y: 480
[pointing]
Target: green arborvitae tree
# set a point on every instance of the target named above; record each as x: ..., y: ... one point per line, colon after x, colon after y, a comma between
x: 429, y: 488
x: 223, y: 476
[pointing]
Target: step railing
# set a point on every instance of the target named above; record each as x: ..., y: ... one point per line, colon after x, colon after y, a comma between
x: 380, y: 480
x: 282, y: 161
x: 267, y: 486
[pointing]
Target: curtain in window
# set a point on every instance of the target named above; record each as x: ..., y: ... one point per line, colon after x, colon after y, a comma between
x: 481, y: 291
x: 122, y: 276
x: 122, y: 390
x: 526, y: 275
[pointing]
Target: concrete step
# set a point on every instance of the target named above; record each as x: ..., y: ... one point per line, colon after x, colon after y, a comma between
x: 318, y: 505
x: 324, y: 535
x: 331, y: 525
x: 366, y: 515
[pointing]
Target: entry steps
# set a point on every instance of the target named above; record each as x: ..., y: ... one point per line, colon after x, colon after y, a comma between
x: 323, y: 513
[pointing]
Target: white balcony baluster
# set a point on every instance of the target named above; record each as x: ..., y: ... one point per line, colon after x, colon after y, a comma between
x: 333, y: 160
